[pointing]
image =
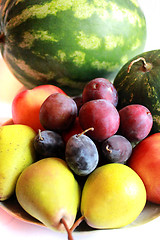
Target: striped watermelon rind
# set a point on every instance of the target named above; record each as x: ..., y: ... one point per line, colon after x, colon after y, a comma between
x: 69, y: 42
x: 140, y: 86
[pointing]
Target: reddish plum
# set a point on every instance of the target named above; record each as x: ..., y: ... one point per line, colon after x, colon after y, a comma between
x: 79, y: 101
x: 58, y: 112
x: 100, y: 88
x: 135, y: 122
x: 116, y: 149
x: 102, y: 116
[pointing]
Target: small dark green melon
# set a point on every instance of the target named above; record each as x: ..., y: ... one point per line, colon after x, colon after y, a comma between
x: 138, y: 82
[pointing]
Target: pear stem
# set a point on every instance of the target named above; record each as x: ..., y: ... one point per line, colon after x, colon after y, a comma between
x: 77, y: 223
x: 69, y: 232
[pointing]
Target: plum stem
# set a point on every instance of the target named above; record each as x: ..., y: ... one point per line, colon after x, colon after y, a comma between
x: 146, y: 66
x: 107, y: 148
x: 89, y: 129
x: 69, y: 232
x: 40, y: 135
x: 77, y: 223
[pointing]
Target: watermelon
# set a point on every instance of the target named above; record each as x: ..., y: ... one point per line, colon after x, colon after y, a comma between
x: 69, y: 42
x: 138, y: 82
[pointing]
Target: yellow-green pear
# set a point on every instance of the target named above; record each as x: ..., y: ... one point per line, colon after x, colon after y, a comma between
x: 113, y: 196
x: 48, y: 191
x: 16, y: 153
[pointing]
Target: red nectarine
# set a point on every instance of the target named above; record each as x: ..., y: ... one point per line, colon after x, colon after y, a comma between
x: 145, y: 160
x: 26, y: 105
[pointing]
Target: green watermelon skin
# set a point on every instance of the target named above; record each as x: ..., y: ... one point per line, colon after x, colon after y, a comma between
x: 69, y: 42
x: 141, y: 87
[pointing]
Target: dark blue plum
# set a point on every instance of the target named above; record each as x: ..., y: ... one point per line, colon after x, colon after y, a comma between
x: 49, y: 144
x: 81, y: 154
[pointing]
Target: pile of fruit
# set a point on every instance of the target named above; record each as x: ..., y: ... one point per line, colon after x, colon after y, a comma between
x: 65, y: 155
x: 96, y: 154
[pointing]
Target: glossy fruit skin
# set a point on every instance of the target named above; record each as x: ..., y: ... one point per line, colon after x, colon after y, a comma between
x: 81, y: 154
x: 58, y: 112
x: 79, y: 101
x: 116, y: 149
x: 26, y: 105
x: 100, y: 88
x: 17, y: 153
x: 145, y: 160
x: 67, y: 43
x: 135, y: 122
x: 40, y: 191
x: 102, y: 116
x: 113, y: 196
x: 49, y: 144
x: 140, y: 86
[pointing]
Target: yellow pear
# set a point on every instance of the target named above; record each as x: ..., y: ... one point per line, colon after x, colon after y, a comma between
x: 113, y: 196
x: 48, y: 191
x: 16, y: 153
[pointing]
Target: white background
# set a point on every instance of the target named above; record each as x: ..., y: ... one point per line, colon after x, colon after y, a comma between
x: 11, y: 227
